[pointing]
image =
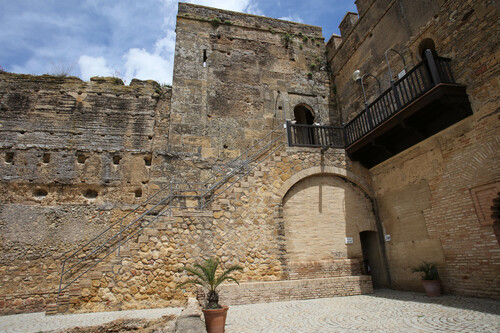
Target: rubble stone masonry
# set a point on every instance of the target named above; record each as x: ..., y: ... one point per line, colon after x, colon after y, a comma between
x: 76, y: 156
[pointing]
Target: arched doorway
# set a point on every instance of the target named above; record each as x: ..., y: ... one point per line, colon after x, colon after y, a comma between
x: 304, y: 115
x: 321, y: 212
x: 426, y: 44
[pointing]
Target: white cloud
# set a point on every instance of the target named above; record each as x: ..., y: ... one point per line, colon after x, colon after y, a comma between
x: 143, y: 65
x: 292, y: 19
x: 136, y: 38
x: 93, y: 66
x: 234, y: 5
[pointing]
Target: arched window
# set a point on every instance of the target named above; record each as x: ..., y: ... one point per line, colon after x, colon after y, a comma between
x: 426, y: 44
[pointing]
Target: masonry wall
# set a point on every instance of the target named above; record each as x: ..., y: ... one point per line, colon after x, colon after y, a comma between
x: 80, y: 155
x: 74, y: 156
x: 235, y: 75
x: 319, y: 212
x: 433, y: 197
x: 244, y: 226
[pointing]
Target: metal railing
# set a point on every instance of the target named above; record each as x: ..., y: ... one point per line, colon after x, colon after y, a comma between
x: 170, y: 196
x: 419, y: 80
x: 300, y: 135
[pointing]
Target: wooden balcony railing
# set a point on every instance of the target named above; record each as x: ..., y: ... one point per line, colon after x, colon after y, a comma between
x: 420, y: 79
x: 314, y: 135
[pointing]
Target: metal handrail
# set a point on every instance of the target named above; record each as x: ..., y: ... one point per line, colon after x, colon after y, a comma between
x: 247, y: 157
x: 245, y: 153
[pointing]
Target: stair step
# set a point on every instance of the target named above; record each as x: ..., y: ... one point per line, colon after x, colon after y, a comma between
x: 178, y: 201
x: 51, y: 310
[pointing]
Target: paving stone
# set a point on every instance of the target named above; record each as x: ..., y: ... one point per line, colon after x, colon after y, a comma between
x: 38, y: 322
x: 383, y: 311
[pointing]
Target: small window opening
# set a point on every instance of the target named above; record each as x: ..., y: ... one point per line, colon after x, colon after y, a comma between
x: 40, y: 193
x: 426, y: 44
x: 205, y: 58
x: 81, y: 158
x: 46, y: 158
x: 90, y: 194
x: 147, y: 160
x: 9, y: 157
x: 138, y: 193
x: 116, y: 159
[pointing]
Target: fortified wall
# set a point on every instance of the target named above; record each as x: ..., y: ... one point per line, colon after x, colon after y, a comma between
x: 96, y: 150
x: 165, y: 177
x: 435, y: 199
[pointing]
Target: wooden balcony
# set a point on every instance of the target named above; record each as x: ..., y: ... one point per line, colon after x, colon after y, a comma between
x: 420, y: 104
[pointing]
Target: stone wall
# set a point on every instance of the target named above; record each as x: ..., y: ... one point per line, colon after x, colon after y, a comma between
x: 433, y: 197
x: 244, y: 227
x: 234, y: 79
x: 264, y: 292
x: 74, y: 156
x: 57, y: 195
x: 77, y: 156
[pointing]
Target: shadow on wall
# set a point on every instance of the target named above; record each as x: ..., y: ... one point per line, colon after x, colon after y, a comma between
x: 319, y: 212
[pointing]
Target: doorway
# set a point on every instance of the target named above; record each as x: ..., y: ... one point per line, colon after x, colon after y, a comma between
x: 304, y: 116
x: 372, y: 258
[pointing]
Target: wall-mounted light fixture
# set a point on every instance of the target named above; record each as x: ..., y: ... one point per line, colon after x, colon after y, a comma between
x: 363, y: 86
x: 356, y: 75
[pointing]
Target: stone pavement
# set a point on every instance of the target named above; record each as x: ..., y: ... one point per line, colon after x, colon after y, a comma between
x: 38, y: 322
x: 383, y: 311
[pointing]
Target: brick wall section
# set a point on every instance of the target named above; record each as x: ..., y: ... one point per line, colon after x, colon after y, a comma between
x: 21, y: 303
x: 263, y: 292
x: 319, y: 212
x: 426, y: 193
x: 450, y: 165
x: 325, y: 269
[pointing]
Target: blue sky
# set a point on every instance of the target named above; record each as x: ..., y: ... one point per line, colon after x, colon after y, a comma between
x: 123, y: 38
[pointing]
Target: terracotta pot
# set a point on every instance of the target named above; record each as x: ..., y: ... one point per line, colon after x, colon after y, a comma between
x: 432, y: 288
x: 215, y: 319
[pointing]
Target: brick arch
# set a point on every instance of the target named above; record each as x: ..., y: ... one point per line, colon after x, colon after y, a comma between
x: 325, y: 170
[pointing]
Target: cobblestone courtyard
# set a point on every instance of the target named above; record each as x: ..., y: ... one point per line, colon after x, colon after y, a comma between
x: 383, y: 311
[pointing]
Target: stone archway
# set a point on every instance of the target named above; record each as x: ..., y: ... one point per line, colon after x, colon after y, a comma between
x: 319, y: 212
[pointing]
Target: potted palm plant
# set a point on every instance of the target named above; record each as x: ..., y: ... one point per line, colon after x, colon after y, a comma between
x: 430, y: 278
x: 205, y: 275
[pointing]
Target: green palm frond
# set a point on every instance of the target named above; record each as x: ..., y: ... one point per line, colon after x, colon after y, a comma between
x: 225, y: 275
x: 205, y: 275
x: 196, y: 273
x: 190, y: 282
x: 428, y: 270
